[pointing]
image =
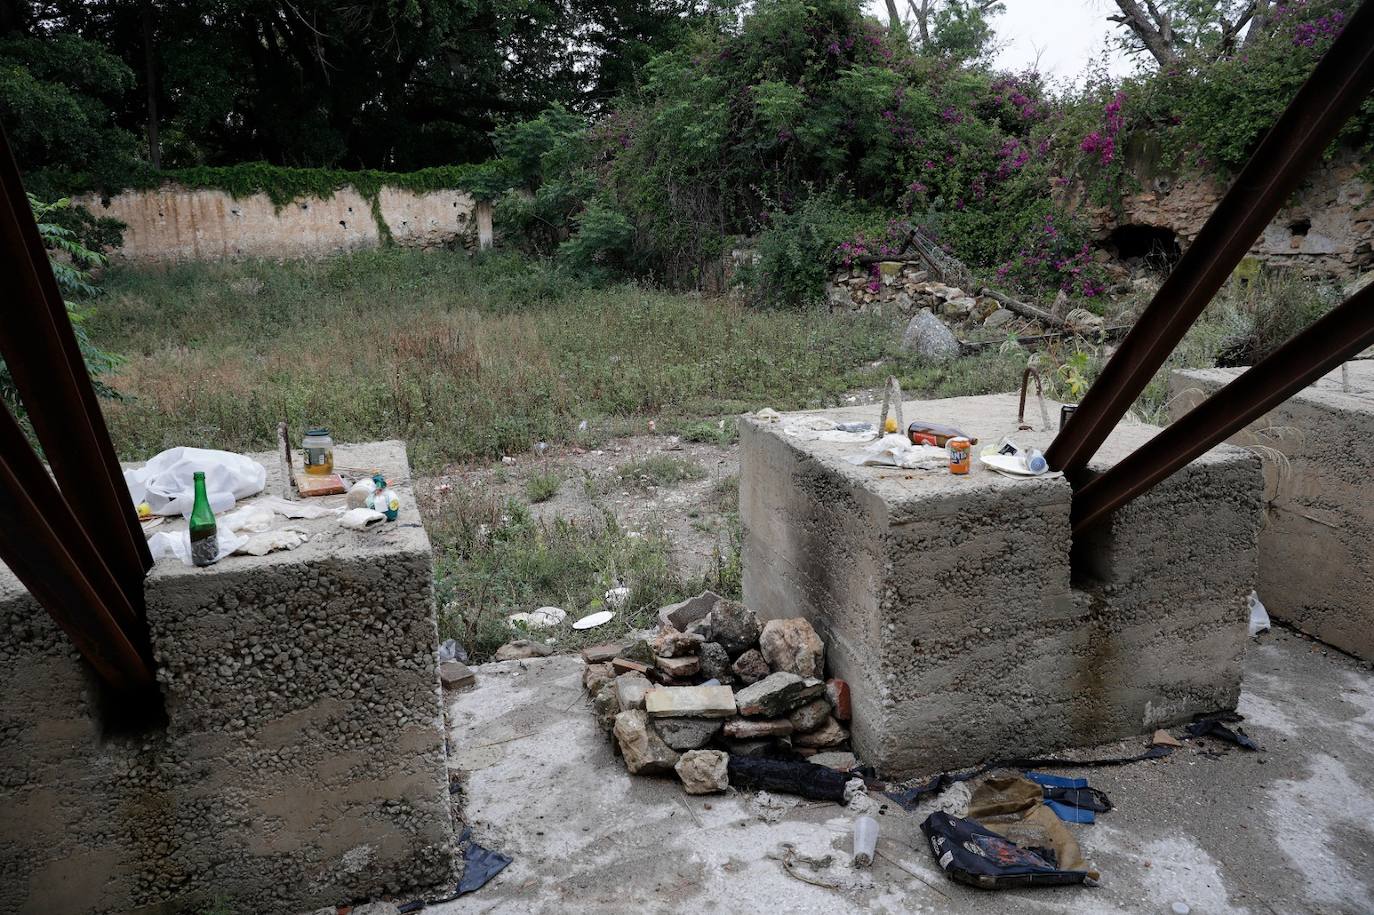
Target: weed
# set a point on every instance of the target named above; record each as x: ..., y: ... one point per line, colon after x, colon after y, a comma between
x: 722, y: 432
x: 494, y: 559
x: 656, y: 470
x: 542, y: 487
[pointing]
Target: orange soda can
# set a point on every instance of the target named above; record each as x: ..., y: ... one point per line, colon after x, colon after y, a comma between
x: 959, y: 448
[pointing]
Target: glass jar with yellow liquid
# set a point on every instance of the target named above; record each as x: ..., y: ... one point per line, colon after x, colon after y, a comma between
x: 319, y: 451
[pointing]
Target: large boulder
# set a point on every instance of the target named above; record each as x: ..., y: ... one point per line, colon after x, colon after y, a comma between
x: 927, y: 336
x: 792, y: 645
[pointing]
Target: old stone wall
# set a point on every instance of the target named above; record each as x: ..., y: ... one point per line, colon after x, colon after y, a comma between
x: 303, y: 759
x: 177, y: 223
x: 1327, y: 229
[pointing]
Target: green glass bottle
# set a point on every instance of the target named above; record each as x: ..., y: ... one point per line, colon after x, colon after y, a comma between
x: 204, y: 532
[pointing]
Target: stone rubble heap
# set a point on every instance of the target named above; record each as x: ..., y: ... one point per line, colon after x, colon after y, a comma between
x: 712, y: 681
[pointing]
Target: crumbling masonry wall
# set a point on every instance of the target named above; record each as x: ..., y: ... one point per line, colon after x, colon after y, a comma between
x: 303, y: 760
x: 1316, y: 569
x: 177, y: 223
x: 957, y: 610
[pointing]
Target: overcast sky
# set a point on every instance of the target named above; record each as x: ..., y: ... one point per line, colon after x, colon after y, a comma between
x: 1065, y: 35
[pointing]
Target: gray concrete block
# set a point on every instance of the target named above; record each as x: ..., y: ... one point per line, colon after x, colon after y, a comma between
x: 303, y: 760
x: 1316, y: 569
x: 951, y: 604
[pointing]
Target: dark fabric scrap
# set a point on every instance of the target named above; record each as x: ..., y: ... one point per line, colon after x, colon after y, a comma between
x: 909, y: 798
x: 479, y: 864
x: 817, y: 783
x: 1071, y: 799
x: 1212, y: 727
x: 981, y: 858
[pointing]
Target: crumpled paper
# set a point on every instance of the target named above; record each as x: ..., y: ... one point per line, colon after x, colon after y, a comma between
x: 897, y: 451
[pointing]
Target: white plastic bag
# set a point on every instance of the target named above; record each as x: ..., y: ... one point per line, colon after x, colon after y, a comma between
x: 1259, y: 617
x: 895, y: 450
x: 166, y: 482
x: 178, y: 544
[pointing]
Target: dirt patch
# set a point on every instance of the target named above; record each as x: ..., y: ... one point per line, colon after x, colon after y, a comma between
x: 685, y: 491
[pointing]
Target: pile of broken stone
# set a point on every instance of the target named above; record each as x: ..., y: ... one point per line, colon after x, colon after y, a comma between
x: 712, y: 681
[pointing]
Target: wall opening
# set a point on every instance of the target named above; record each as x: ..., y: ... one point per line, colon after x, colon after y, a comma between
x: 1299, y: 228
x: 1155, y: 246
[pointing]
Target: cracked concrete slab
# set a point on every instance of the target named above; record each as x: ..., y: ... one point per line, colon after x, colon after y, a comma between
x: 1290, y: 830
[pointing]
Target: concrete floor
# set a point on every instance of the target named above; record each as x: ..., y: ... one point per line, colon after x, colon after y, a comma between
x: 1287, y: 830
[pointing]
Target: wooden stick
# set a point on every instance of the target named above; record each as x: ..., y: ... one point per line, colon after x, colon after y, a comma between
x: 1024, y: 310
x: 288, y: 480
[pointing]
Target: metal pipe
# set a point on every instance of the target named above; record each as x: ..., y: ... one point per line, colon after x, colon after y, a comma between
x: 49, y: 551
x: 44, y: 360
x: 1309, y: 355
x: 1341, y: 80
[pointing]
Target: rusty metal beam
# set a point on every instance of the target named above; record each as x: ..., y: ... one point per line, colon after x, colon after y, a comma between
x: 1309, y: 355
x: 1341, y: 80
x: 44, y: 359
x: 47, y: 548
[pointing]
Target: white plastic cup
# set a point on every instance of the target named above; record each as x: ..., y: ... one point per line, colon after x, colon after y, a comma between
x: 865, y: 840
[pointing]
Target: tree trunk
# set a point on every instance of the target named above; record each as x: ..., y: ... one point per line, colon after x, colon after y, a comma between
x: 150, y: 77
x: 1152, y: 28
x: 894, y: 18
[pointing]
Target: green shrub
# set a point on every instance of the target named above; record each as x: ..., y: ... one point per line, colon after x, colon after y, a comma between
x: 542, y: 487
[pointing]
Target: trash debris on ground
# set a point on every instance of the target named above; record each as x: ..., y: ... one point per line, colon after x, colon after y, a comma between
x: 480, y: 865
x: 1163, y: 738
x: 1071, y: 799
x: 772, y: 808
x: 805, y: 867
x: 804, y: 779
x: 1259, y: 617
x: 895, y: 451
x: 1012, y: 460
x: 865, y: 841
x: 1213, y: 727
x: 521, y: 650
x: 978, y: 856
x: 317, y: 452
x: 261, y: 544
x: 178, y: 545
x: 311, y: 486
x: 925, y: 433
x: 452, y: 650
x: 167, y: 485
x: 358, y: 518
x: 543, y: 618
x: 909, y: 798
x: 384, y: 499
x: 592, y: 620
x: 616, y: 597
x: 768, y: 415
x: 296, y: 510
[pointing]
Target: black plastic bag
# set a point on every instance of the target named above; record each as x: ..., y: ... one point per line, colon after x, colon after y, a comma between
x: 1212, y: 727
x: 818, y: 783
x: 981, y: 858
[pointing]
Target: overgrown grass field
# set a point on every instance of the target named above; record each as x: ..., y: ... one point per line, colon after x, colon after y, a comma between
x: 464, y: 359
